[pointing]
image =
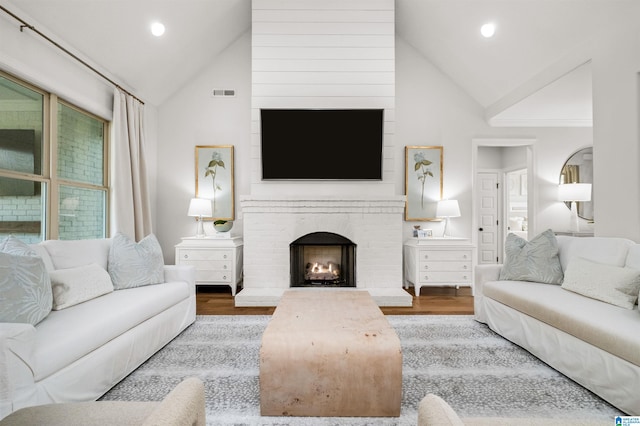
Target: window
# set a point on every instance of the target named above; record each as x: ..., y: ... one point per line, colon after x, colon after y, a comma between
x: 82, y: 193
x: 53, y: 181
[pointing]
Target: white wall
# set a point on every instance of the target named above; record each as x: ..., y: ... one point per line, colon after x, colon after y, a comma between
x: 429, y: 110
x: 514, y: 158
x: 28, y: 56
x: 432, y: 110
x: 193, y: 117
x: 616, y: 117
x: 554, y: 147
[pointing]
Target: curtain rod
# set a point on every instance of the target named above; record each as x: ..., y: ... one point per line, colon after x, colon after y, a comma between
x: 25, y: 24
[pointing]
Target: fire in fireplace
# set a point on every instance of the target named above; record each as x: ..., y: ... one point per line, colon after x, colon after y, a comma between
x: 323, y: 259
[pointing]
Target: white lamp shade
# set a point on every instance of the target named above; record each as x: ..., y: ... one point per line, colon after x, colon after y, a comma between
x: 448, y: 208
x: 574, y: 192
x: 200, y: 207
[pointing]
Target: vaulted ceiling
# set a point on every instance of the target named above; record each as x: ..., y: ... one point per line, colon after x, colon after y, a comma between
x: 535, y: 67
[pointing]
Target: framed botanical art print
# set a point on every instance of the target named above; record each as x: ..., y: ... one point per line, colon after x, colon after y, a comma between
x: 214, y: 179
x: 423, y: 181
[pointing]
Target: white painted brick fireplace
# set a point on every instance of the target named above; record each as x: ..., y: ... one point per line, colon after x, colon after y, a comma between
x: 323, y: 54
x: 272, y: 223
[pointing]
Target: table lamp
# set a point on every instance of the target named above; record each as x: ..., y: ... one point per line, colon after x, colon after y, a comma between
x: 447, y: 209
x: 200, y: 207
x: 574, y: 192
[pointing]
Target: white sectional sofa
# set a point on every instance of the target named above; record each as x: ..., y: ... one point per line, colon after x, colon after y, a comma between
x: 595, y: 343
x: 79, y: 352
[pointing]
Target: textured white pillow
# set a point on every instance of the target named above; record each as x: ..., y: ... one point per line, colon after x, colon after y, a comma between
x: 612, y: 284
x: 25, y: 290
x: 76, y: 285
x: 134, y: 264
x: 536, y: 260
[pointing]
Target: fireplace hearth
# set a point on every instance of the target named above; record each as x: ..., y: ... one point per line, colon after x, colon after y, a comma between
x: 322, y: 259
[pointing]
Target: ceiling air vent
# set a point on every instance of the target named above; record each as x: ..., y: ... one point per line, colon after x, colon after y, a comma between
x: 223, y: 93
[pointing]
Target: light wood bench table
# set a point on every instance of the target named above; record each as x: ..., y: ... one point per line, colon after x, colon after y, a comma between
x: 330, y: 353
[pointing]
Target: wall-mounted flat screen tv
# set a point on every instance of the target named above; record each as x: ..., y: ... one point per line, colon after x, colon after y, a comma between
x: 321, y: 144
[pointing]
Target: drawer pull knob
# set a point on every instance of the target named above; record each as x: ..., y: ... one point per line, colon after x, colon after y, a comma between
x: 465, y: 277
x: 224, y: 267
x: 224, y: 256
x: 426, y: 277
x: 186, y: 256
x: 464, y: 256
x: 426, y: 266
x: 465, y: 266
x: 224, y: 277
x: 426, y: 256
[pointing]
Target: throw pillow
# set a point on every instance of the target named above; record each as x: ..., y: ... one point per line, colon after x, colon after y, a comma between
x: 134, y: 264
x: 535, y: 260
x: 13, y: 245
x: 25, y: 289
x: 612, y: 284
x: 76, y: 285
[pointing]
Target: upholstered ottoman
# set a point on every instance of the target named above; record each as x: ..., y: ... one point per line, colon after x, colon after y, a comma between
x: 330, y: 353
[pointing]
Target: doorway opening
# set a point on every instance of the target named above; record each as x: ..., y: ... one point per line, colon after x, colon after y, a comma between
x: 493, y: 160
x: 517, y: 216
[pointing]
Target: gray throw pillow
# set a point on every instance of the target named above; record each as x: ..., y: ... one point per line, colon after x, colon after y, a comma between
x: 134, y: 264
x: 536, y: 260
x: 25, y: 288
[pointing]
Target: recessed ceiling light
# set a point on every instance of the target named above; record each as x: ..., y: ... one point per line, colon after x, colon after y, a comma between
x: 488, y: 30
x: 157, y: 29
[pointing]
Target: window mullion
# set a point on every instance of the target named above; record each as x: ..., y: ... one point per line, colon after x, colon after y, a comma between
x: 107, y: 176
x: 53, y: 199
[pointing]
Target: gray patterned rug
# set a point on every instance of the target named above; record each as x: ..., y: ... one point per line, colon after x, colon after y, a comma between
x: 478, y: 372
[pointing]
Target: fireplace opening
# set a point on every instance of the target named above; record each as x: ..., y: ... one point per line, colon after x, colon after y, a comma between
x: 323, y: 259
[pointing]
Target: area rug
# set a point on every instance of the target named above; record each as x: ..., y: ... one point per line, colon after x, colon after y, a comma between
x: 478, y: 372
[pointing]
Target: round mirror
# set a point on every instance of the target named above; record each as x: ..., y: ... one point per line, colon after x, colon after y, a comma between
x: 579, y: 169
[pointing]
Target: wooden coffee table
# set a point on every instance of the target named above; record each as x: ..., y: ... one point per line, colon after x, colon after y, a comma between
x: 330, y: 353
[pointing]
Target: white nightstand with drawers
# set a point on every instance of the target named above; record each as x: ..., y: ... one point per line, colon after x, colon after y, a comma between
x: 218, y: 261
x: 438, y: 262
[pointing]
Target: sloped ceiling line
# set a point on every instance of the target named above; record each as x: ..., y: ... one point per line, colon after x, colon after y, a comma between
x: 24, y: 24
x: 572, y: 75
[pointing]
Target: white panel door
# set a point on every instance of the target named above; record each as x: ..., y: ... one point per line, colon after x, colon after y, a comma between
x: 488, y: 229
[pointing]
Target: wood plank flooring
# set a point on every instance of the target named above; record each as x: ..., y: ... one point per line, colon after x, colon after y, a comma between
x: 217, y: 300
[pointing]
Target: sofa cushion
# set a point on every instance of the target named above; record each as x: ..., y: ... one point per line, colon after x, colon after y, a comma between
x: 92, y: 413
x: 633, y: 257
x: 134, y: 264
x: 612, y: 284
x: 606, y: 250
x: 535, y: 260
x: 70, y: 254
x: 69, y: 334
x: 44, y: 254
x: 25, y: 289
x: 76, y: 285
x: 434, y: 411
x: 608, y: 327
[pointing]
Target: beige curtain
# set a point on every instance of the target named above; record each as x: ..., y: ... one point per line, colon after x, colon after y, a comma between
x: 130, y: 211
x: 570, y: 173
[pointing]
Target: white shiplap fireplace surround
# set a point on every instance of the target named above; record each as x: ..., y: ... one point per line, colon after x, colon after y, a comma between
x: 323, y: 54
